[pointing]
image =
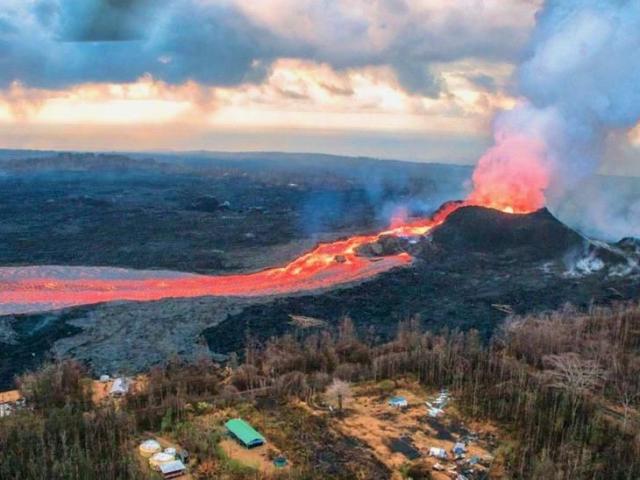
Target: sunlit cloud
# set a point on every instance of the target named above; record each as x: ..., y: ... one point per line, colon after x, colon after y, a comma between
x: 143, y: 101
x: 296, y: 93
x: 192, y: 70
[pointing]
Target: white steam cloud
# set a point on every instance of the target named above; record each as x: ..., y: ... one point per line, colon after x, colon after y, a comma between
x: 580, y: 85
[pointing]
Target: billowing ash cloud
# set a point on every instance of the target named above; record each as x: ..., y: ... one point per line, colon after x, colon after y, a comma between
x: 56, y: 43
x: 580, y: 84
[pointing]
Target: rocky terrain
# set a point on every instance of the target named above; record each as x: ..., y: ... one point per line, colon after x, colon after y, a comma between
x: 473, y: 271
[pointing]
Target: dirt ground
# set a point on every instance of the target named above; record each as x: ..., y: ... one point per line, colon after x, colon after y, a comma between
x: 164, y: 443
x: 372, y: 420
x: 101, y: 389
x: 257, y: 458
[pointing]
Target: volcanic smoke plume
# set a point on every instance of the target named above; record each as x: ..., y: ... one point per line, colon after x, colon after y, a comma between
x: 578, y: 86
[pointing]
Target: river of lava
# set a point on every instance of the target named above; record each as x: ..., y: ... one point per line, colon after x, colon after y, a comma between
x: 41, y: 288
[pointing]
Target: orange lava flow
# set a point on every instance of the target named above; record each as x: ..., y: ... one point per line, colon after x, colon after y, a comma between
x: 30, y: 289
x: 33, y: 289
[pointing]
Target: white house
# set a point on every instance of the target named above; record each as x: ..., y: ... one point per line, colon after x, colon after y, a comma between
x: 438, y: 452
x: 120, y: 387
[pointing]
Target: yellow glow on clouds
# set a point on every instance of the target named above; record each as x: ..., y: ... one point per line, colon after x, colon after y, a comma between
x: 296, y: 93
x: 110, y: 111
x: 305, y: 94
x: 144, y: 101
x: 634, y: 136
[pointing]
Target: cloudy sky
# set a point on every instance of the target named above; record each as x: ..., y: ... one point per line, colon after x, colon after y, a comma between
x: 410, y: 79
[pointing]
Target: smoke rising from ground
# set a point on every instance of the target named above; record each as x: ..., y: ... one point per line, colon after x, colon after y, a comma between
x: 579, y: 84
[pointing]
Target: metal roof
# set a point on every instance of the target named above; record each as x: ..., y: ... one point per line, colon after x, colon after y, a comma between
x: 244, y: 432
x: 172, y: 467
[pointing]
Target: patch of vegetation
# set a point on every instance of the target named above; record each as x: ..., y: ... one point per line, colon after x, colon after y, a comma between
x: 566, y: 387
x: 63, y: 436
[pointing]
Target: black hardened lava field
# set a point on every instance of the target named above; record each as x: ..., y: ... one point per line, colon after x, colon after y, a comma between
x: 217, y: 217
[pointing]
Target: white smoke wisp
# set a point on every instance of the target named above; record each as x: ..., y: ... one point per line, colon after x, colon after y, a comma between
x: 579, y: 84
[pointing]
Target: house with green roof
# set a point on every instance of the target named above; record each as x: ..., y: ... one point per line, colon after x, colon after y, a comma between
x: 244, y: 433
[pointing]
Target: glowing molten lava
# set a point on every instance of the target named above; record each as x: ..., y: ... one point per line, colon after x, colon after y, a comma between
x: 29, y: 289
x: 511, y: 176
x: 32, y: 289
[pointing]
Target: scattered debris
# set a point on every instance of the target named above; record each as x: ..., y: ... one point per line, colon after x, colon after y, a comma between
x: 438, y: 452
x: 508, y: 309
x: 436, y: 408
x: 398, y: 402
x: 405, y: 446
x: 302, y: 321
x: 434, y: 412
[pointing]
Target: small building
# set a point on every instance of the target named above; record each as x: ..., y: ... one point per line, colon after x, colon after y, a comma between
x: 173, y: 469
x: 5, y: 410
x: 149, y: 448
x: 244, y: 433
x: 120, y: 387
x: 159, y: 459
x: 398, y: 402
x: 438, y: 453
x: 459, y: 449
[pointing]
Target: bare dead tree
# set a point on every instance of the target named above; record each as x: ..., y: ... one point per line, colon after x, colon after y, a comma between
x: 338, y: 393
x: 628, y: 395
x: 571, y: 372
